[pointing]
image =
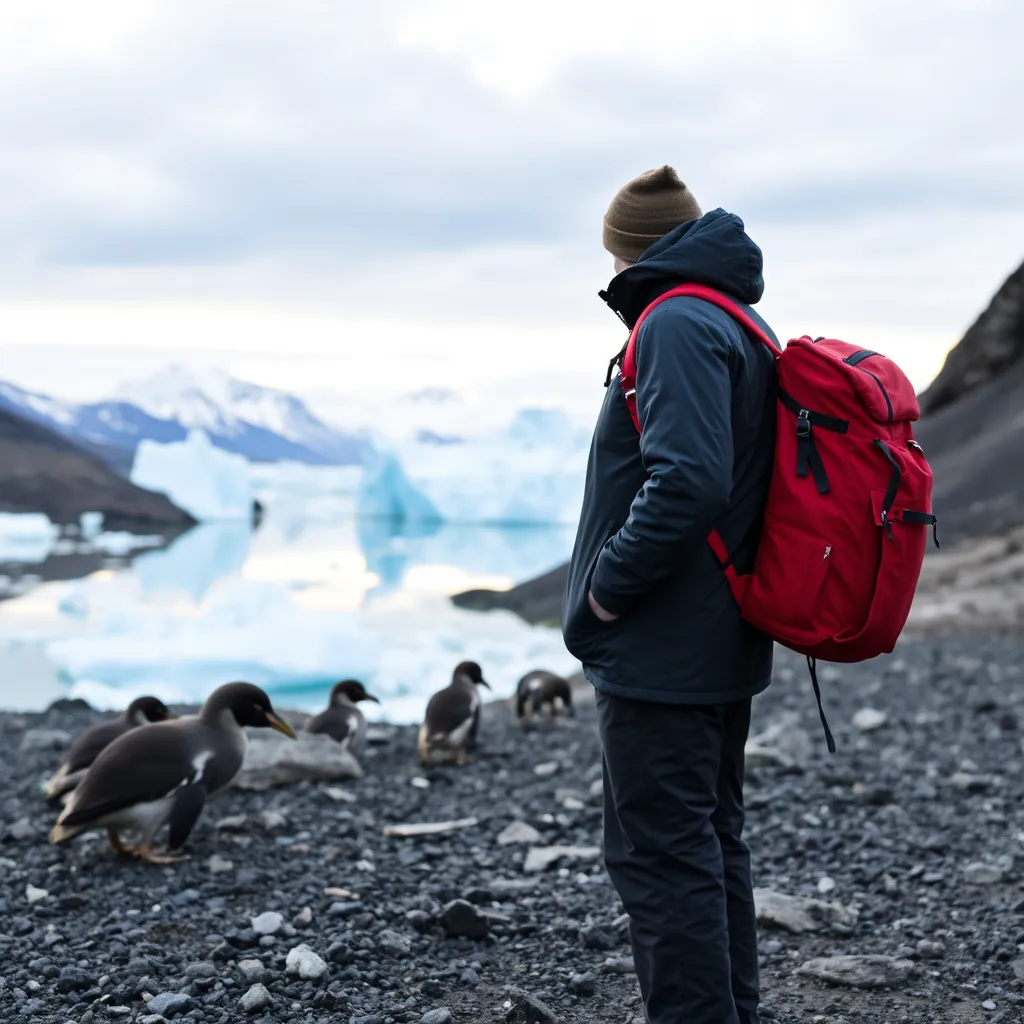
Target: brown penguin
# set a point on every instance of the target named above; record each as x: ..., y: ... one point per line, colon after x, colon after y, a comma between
x: 452, y: 720
x: 342, y: 720
x: 87, y: 747
x: 164, y: 773
x: 540, y: 689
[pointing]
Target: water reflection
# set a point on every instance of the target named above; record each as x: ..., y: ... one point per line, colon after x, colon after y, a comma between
x: 196, y: 560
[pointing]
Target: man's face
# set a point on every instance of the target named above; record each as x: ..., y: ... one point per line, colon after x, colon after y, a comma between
x: 620, y: 265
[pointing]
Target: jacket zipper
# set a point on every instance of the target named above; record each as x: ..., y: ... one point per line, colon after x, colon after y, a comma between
x: 855, y: 361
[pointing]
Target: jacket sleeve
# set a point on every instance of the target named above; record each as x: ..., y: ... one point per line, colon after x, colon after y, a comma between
x: 684, y: 404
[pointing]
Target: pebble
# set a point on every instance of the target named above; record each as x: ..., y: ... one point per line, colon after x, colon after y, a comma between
x: 218, y: 865
x: 168, y: 1004
x: 251, y: 970
x: 540, y: 858
x: 151, y: 1018
x: 546, y: 770
x: 441, y: 1016
x: 462, y: 920
x: 869, y: 719
x: 268, y: 923
x: 518, y: 832
x: 583, y: 984
x: 304, y: 918
x: 799, y: 914
x: 528, y: 1008
x: 44, y: 739
x: 393, y: 944
x: 870, y: 971
x: 271, y: 820
x: 34, y: 895
x: 309, y: 966
x: 256, y: 999
x: 980, y: 873
x: 988, y: 1005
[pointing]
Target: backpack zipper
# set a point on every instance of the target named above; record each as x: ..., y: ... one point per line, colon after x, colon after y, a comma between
x: 855, y: 360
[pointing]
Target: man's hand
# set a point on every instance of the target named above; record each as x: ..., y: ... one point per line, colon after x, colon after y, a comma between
x: 603, y: 615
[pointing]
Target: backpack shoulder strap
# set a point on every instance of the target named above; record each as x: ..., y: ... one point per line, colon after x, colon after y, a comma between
x: 627, y: 376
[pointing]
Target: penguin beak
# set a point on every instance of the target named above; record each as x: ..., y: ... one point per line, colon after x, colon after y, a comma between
x: 280, y: 725
x: 374, y: 699
x: 483, y: 682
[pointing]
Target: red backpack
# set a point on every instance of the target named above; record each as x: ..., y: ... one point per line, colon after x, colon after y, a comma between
x: 844, y: 533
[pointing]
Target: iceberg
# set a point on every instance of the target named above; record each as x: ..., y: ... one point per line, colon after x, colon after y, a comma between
x: 91, y: 523
x: 207, y: 482
x: 531, y: 473
x: 26, y: 537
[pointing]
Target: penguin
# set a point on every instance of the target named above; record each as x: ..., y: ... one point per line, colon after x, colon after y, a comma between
x: 165, y: 772
x: 83, y: 751
x: 342, y: 720
x: 539, y: 689
x: 453, y: 716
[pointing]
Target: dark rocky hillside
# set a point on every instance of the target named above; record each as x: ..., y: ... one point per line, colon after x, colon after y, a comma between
x: 41, y: 471
x: 972, y: 426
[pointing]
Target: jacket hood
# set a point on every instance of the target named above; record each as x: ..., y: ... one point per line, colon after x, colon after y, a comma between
x: 714, y: 251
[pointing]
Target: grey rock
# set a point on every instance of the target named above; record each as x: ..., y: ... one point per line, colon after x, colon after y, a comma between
x: 44, y: 739
x: 519, y: 832
x: 420, y: 921
x: 393, y: 944
x: 462, y: 920
x: 440, y: 1016
x: 980, y: 873
x: 546, y: 770
x: 598, y: 938
x: 583, y: 984
x: 170, y: 1004
x: 21, y: 830
x: 304, y: 918
x: 256, y: 999
x: 274, y: 760
x: 1018, y: 968
x: 201, y: 969
x: 309, y: 966
x: 268, y: 923
x: 859, y: 971
x: 869, y: 719
x: 618, y: 965
x: 32, y: 1008
x: 251, y: 971
x: 930, y: 950
x: 506, y: 887
x: 799, y: 914
x: 785, y: 743
x: 151, y: 1018
x: 218, y: 865
x: 540, y: 858
x: 528, y: 1009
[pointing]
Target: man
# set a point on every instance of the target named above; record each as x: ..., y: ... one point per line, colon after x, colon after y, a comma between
x: 648, y: 610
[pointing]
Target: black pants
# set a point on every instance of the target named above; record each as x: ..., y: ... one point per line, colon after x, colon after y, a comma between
x: 673, y: 821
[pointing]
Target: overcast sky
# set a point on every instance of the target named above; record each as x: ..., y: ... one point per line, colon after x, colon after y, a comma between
x: 276, y: 186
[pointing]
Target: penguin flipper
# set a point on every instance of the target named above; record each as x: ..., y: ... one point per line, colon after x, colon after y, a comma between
x: 189, y: 802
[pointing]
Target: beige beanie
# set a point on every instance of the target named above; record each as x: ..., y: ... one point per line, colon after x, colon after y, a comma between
x: 646, y: 209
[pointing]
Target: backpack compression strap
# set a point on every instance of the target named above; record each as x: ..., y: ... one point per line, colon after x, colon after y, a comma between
x: 627, y: 379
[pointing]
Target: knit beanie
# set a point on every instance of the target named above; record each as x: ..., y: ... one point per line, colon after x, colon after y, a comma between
x: 646, y: 209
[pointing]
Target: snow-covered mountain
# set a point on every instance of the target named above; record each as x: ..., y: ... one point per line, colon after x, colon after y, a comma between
x: 262, y: 424
x: 238, y: 415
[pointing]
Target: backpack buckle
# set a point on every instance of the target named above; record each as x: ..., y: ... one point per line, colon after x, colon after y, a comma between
x: 803, y: 423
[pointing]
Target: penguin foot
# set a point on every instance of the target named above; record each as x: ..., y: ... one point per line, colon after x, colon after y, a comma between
x: 462, y: 758
x: 146, y: 852
x: 119, y: 846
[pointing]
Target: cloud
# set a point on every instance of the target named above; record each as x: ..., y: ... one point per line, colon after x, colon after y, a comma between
x: 452, y: 160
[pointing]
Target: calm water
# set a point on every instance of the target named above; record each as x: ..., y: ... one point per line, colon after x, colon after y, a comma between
x: 312, y: 596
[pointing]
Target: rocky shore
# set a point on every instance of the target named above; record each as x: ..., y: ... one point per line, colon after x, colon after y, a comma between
x: 889, y: 874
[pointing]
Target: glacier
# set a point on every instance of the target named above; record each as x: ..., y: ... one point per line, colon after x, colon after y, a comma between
x: 208, y: 483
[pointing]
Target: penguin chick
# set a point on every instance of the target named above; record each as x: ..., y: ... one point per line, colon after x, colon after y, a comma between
x: 85, y: 749
x: 453, y: 716
x: 540, y: 689
x: 342, y: 720
x: 165, y: 772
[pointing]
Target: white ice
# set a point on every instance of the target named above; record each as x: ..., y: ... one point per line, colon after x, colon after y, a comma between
x: 532, y: 472
x: 205, y: 481
x: 26, y: 537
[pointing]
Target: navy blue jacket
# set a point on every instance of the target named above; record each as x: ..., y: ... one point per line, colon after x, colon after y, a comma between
x: 705, y: 397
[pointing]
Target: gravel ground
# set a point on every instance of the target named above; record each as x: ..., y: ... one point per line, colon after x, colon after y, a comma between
x: 296, y: 907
